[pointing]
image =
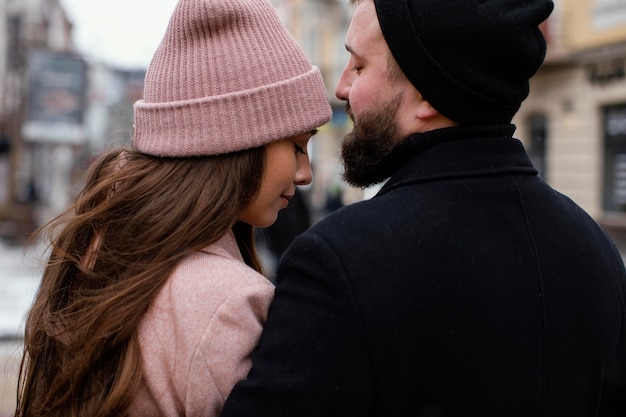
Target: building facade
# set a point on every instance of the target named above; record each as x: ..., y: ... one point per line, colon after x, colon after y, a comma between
x: 574, y: 121
x: 57, y: 111
x: 30, y: 30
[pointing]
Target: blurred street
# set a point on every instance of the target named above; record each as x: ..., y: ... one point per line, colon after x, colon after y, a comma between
x: 19, y: 277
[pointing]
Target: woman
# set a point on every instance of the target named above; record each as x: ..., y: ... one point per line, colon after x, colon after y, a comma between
x: 153, y: 296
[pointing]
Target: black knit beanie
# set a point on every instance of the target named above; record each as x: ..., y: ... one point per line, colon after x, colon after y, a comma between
x: 471, y: 59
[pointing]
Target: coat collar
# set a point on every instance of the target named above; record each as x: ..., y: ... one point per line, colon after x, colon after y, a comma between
x: 225, y: 247
x: 458, y: 152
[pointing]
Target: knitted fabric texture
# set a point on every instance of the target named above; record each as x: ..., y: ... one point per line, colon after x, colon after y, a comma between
x: 227, y: 76
x: 471, y: 59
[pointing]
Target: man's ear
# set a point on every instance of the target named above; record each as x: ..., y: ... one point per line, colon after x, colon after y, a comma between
x: 419, y: 116
x: 429, y: 117
x: 425, y: 111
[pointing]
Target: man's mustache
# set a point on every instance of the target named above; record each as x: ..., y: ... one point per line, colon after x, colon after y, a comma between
x: 349, y: 111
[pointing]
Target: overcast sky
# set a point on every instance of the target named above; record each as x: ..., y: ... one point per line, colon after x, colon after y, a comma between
x: 123, y: 33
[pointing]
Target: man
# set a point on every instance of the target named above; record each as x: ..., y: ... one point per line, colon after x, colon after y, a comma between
x: 466, y: 286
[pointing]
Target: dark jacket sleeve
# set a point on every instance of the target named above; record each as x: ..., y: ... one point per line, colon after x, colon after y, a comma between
x: 613, y: 400
x: 312, y: 358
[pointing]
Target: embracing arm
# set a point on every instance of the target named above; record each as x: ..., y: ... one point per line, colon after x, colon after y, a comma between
x: 312, y: 359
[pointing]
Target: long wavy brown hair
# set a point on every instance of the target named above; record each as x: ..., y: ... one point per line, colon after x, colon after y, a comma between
x: 136, y: 218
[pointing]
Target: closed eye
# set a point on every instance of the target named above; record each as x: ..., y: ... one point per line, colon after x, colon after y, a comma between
x: 299, y: 149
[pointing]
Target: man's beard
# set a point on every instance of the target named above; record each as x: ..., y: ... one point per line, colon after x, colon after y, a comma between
x: 366, y: 151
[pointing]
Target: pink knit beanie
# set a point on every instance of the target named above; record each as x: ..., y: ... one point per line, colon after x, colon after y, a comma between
x: 227, y: 76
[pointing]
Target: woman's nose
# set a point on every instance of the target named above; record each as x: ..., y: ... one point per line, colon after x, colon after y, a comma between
x: 304, y: 174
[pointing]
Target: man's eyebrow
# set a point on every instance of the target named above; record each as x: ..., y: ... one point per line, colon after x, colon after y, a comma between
x: 352, y: 52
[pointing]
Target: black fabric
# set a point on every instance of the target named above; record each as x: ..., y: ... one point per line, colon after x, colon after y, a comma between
x: 471, y: 59
x: 466, y: 287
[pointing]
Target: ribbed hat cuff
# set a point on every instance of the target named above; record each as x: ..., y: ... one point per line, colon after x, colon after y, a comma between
x: 234, y: 121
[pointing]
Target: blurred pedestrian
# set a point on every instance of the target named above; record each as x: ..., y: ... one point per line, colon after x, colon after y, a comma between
x: 333, y: 198
x: 466, y: 286
x: 153, y: 296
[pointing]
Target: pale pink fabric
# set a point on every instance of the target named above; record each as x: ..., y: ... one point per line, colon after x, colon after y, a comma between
x: 197, y: 336
x: 227, y: 76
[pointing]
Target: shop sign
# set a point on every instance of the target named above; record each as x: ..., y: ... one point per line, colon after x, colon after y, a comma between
x: 55, y: 105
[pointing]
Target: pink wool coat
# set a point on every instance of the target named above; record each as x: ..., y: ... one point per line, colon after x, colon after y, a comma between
x: 197, y: 336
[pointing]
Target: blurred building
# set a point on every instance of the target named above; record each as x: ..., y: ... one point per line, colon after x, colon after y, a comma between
x: 574, y: 121
x: 320, y: 27
x: 28, y: 30
x: 56, y: 112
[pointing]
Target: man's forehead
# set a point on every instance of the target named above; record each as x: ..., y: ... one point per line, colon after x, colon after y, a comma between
x: 364, y: 30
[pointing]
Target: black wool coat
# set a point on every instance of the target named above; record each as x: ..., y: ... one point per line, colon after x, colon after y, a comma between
x: 466, y: 287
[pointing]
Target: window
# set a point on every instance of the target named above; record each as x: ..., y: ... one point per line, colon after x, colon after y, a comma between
x: 614, y: 127
x: 536, y: 147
